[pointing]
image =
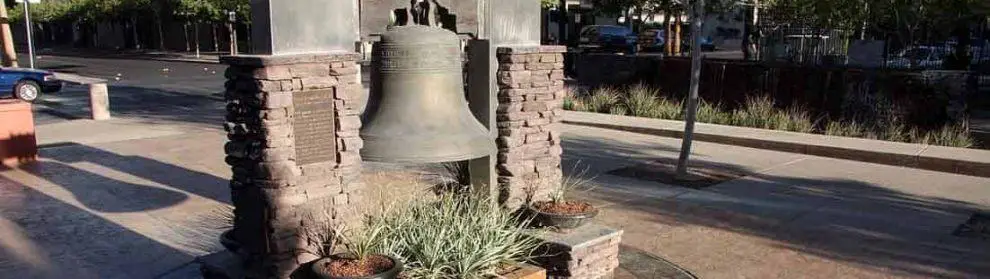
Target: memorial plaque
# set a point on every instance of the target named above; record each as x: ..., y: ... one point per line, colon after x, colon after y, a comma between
x: 314, y: 127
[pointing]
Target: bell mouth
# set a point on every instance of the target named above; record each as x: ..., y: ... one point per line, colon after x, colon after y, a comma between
x: 432, y: 150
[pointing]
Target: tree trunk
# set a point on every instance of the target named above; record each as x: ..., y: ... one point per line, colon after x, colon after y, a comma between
x: 134, y: 32
x: 9, y: 55
x: 250, y: 38
x: 96, y: 34
x: 690, y: 115
x: 677, y: 33
x: 753, y: 36
x: 161, y: 31
x: 960, y: 59
x: 196, y: 39
x: 668, y: 45
x: 185, y: 35
x: 216, y: 40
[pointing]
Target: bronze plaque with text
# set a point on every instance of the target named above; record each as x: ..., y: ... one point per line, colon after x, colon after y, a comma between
x: 314, y: 126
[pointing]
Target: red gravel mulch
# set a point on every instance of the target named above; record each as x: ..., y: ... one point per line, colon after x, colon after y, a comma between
x: 567, y: 207
x: 371, y: 265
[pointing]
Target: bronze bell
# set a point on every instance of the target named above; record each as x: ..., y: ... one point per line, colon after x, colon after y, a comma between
x: 417, y: 111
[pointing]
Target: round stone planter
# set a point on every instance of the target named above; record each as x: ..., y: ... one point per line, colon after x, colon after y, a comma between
x: 323, y: 273
x: 561, y: 221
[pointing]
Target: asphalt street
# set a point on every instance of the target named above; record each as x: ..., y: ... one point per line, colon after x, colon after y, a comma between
x: 136, y: 87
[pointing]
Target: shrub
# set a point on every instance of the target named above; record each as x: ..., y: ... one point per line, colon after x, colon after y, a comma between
x: 841, y: 129
x: 758, y: 112
x: 459, y: 236
x: 569, y: 103
x: 952, y: 135
x: 799, y: 120
x: 713, y: 113
x: 601, y: 100
x: 619, y: 110
x: 894, y: 131
x: 667, y: 109
x: 864, y: 116
x: 641, y: 100
x: 572, y: 99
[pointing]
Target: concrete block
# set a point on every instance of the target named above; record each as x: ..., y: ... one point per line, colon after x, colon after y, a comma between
x: 99, y: 101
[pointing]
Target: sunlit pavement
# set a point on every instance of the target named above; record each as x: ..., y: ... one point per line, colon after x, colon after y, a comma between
x: 134, y: 197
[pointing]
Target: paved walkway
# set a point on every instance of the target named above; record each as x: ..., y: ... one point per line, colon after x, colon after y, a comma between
x: 137, y: 197
x: 792, y: 216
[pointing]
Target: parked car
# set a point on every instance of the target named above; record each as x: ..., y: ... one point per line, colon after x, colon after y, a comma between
x: 27, y: 84
x: 608, y: 38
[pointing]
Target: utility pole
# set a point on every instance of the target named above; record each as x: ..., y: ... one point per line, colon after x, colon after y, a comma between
x: 9, y: 56
x: 692, y: 106
x: 29, y: 32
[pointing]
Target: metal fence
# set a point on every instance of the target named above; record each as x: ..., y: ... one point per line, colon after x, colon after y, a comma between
x: 803, y: 45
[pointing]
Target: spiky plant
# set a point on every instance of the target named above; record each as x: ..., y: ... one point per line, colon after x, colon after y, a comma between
x: 619, y: 110
x: 577, y: 181
x: 640, y: 100
x: 953, y: 135
x: 667, y: 109
x: 713, y: 113
x: 601, y: 99
x: 459, y: 236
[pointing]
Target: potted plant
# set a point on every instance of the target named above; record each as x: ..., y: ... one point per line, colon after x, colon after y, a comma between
x: 559, y: 211
x: 362, y: 257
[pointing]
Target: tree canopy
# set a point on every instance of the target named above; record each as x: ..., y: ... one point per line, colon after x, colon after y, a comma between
x: 98, y: 10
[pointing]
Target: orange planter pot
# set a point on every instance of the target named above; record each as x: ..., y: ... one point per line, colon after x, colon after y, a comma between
x: 17, y: 141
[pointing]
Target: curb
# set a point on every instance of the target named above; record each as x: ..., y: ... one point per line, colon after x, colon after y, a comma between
x: 182, y: 60
x: 971, y: 162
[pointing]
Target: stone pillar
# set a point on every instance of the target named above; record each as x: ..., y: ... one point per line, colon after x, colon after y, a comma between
x: 530, y: 106
x: 293, y: 128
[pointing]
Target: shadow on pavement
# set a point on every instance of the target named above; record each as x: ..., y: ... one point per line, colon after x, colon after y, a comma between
x: 839, y: 219
x: 176, y: 177
x: 103, y: 194
x: 43, y: 237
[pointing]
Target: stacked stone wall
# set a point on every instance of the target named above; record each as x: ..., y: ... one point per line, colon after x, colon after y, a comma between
x: 293, y: 128
x: 530, y: 108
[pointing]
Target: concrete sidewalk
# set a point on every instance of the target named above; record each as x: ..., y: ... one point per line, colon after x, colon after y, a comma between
x: 790, y: 216
x: 137, y: 197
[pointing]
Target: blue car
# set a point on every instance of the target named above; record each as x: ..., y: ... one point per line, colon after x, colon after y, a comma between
x: 608, y: 38
x: 27, y: 84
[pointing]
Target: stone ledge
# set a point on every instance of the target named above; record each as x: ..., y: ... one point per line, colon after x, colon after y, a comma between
x: 972, y: 162
x: 590, y: 251
x: 289, y: 59
x: 585, y: 236
x: 531, y: 49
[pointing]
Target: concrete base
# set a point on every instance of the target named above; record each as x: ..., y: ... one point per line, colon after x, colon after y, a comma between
x: 99, y: 101
x: 591, y: 251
